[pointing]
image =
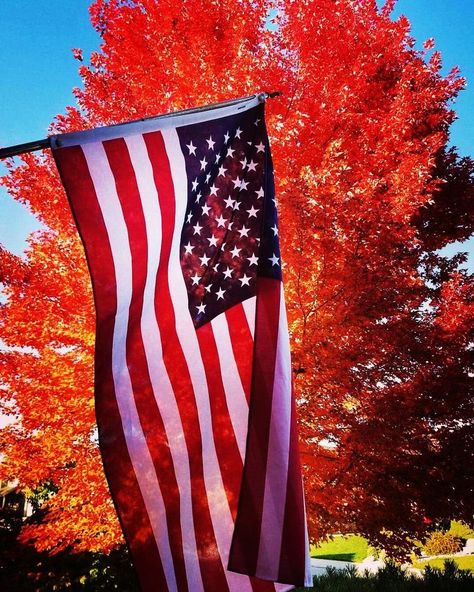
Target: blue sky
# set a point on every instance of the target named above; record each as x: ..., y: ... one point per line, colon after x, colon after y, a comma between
x: 451, y: 23
x: 37, y: 75
x: 38, y: 72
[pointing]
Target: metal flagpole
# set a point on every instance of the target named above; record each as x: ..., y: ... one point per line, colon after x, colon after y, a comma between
x: 10, y: 151
x: 22, y: 148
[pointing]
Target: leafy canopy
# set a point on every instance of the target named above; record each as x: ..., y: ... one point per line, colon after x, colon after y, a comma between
x: 381, y: 324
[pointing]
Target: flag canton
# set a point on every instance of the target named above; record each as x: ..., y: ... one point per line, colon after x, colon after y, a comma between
x: 230, y: 233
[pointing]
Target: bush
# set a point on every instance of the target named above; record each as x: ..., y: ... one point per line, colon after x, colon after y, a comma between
x: 442, y: 543
x: 23, y: 569
x: 376, y: 553
x: 393, y: 579
x: 461, y: 530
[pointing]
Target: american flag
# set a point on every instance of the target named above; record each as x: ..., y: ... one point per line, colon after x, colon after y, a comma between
x: 192, y: 368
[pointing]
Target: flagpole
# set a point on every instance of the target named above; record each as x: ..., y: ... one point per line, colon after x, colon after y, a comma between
x: 22, y: 148
x: 18, y: 149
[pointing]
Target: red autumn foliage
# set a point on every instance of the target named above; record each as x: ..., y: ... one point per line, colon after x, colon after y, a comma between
x: 381, y: 323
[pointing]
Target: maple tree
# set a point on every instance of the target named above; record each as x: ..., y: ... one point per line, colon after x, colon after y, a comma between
x: 381, y: 323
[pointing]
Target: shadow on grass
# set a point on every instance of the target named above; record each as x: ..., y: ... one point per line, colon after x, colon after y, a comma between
x: 336, y: 556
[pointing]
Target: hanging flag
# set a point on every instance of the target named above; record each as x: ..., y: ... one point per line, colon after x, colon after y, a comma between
x: 192, y: 366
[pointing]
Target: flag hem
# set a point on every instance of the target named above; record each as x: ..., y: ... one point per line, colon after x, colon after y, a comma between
x: 158, y: 123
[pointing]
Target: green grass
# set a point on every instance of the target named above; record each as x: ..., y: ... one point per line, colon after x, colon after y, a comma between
x: 463, y: 562
x: 342, y: 548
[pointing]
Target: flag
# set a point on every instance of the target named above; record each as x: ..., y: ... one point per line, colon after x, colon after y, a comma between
x: 192, y: 366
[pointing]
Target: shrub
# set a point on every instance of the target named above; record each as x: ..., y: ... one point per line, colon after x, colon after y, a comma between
x: 376, y: 553
x: 461, y: 530
x: 442, y: 543
x: 393, y: 579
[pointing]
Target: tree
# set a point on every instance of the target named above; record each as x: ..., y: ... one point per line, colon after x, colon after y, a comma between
x: 381, y: 324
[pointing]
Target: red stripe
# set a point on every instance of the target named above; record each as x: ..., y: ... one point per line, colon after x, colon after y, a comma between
x: 229, y: 457
x: 242, y: 344
x: 150, y: 417
x: 119, y: 470
x: 228, y: 454
x: 262, y: 585
x: 293, y: 552
x: 211, y: 566
x: 246, y: 539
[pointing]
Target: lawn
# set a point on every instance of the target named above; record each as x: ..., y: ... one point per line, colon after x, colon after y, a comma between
x: 342, y: 548
x: 463, y: 562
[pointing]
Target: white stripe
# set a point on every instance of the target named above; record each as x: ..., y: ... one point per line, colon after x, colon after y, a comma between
x: 142, y: 462
x: 278, y: 454
x: 234, y: 392
x: 161, y: 384
x: 308, y: 576
x: 218, y: 505
x: 249, y: 309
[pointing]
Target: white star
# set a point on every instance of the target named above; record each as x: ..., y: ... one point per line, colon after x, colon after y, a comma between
x: 222, y: 171
x: 274, y: 260
x: 257, y: 121
x: 216, y: 266
x: 188, y: 249
x: 235, y: 251
x: 195, y: 279
x: 229, y: 202
x: 191, y: 148
x: 243, y: 184
x: 188, y: 219
x: 204, y: 260
x: 252, y: 212
x: 210, y: 143
x: 275, y: 230
x: 243, y: 231
x: 208, y: 287
x: 229, y: 226
x: 214, y: 190
x: 203, y: 163
x: 236, y: 182
x: 195, y: 184
x: 230, y: 152
x: 245, y: 279
x: 208, y: 176
x: 221, y: 221
x: 238, y: 133
x: 260, y: 147
x: 198, y: 197
x: 197, y: 228
x: 260, y: 193
x: 252, y: 166
x: 243, y: 163
x: 205, y: 209
x: 220, y: 294
x: 213, y: 241
x: 253, y: 260
x: 201, y: 308
x: 236, y: 205
x: 228, y: 273
x: 226, y: 137
x: 218, y: 157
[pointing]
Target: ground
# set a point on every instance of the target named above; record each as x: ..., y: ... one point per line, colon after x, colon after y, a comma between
x: 342, y: 548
